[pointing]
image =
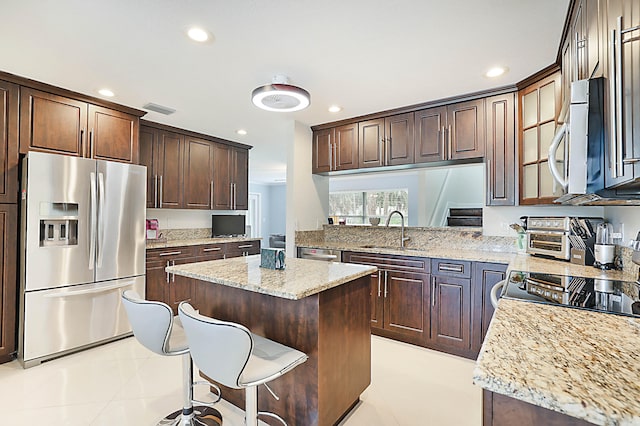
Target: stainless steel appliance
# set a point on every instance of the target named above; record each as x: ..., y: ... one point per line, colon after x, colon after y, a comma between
x: 583, y: 174
x: 562, y: 237
x: 597, y: 294
x: 326, y: 255
x: 604, y: 249
x: 83, y: 244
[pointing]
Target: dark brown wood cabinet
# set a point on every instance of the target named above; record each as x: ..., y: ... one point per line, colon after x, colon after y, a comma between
x: 186, y: 170
x: 198, y: 174
x: 230, y: 178
x: 386, y: 141
x: 9, y: 97
x: 501, y: 410
x: 451, y: 315
x: 485, y: 276
x: 399, y: 295
x: 465, y: 130
x: 429, y: 135
x: 57, y: 124
x: 500, y: 158
x: 335, y: 149
x: 173, y: 289
x: 539, y: 107
x: 8, y: 280
x: 622, y: 94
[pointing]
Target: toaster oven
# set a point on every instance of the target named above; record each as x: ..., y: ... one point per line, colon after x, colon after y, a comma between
x: 555, y: 236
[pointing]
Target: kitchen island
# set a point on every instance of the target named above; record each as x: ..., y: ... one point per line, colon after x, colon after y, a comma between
x: 320, y: 308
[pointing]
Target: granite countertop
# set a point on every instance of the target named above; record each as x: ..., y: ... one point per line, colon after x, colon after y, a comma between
x: 299, y: 279
x: 440, y: 252
x: 581, y: 363
x: 195, y: 242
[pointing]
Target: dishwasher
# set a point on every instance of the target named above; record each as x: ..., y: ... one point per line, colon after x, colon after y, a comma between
x: 326, y: 255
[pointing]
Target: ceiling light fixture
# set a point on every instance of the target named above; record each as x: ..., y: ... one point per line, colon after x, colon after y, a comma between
x: 496, y: 72
x: 335, y: 108
x: 280, y: 96
x: 106, y: 92
x: 241, y: 132
x: 198, y: 34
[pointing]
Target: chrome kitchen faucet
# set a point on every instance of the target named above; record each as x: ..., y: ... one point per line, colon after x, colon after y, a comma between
x: 402, y: 237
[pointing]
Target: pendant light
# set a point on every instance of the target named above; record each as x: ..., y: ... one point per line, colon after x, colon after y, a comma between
x: 280, y: 96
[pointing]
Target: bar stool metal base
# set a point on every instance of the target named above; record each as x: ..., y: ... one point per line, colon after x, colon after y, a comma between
x: 201, y: 416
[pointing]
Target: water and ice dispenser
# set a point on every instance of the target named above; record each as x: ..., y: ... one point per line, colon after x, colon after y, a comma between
x: 58, y: 224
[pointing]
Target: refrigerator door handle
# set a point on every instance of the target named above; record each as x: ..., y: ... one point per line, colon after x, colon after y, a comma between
x: 92, y: 232
x: 89, y: 291
x: 100, y: 238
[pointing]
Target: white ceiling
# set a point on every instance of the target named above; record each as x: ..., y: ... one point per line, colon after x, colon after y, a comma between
x: 365, y: 55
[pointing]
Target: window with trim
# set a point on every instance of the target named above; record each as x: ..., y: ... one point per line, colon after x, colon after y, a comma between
x: 356, y: 207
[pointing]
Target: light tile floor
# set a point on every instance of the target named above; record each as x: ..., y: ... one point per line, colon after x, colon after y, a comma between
x: 122, y: 383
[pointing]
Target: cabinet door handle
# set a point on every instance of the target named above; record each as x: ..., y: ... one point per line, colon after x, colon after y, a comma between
x: 451, y: 267
x: 433, y: 291
x: 160, y: 191
x: 441, y: 132
x: 173, y: 276
x: 246, y: 246
x: 90, y: 144
x: 235, y: 197
x: 82, y: 142
x: 379, y: 277
x: 386, y: 292
x: 167, y: 272
x: 170, y: 253
x: 212, y: 249
x: 382, y: 151
x: 450, y: 143
x: 330, y: 156
x: 155, y: 191
x: 211, y: 195
x: 335, y: 156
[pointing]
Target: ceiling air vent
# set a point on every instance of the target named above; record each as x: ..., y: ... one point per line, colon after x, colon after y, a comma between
x: 159, y: 108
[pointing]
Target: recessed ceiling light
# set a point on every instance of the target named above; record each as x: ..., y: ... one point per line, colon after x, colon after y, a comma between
x: 280, y: 96
x: 496, y: 71
x: 335, y: 108
x: 106, y: 92
x: 241, y: 132
x: 198, y: 34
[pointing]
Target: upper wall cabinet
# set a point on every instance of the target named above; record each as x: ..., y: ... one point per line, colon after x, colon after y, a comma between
x: 186, y: 170
x: 335, y: 149
x: 8, y: 142
x: 540, y: 107
x: 386, y: 141
x: 623, y: 93
x: 454, y: 132
x: 501, y: 149
x: 53, y: 123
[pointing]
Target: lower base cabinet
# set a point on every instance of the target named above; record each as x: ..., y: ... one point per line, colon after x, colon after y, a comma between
x: 501, y: 410
x: 8, y: 280
x: 440, y: 304
x: 173, y: 289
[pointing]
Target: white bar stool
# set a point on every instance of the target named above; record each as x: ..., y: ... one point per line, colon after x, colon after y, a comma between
x: 154, y: 327
x: 233, y: 356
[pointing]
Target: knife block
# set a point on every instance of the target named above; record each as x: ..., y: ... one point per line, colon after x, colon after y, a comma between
x: 583, y: 256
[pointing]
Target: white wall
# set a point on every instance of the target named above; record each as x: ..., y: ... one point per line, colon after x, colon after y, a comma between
x: 307, y: 194
x: 627, y: 215
x: 277, y: 209
x: 265, y: 201
x: 182, y: 219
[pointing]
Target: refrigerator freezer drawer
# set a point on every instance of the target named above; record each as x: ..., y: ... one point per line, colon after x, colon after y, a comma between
x: 64, y: 319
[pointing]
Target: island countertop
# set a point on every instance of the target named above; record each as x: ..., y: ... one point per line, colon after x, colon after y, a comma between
x: 299, y: 279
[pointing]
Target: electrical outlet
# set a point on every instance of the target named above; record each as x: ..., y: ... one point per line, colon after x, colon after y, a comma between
x: 618, y: 232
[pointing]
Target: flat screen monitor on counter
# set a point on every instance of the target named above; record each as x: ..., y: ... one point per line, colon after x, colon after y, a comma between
x: 225, y: 225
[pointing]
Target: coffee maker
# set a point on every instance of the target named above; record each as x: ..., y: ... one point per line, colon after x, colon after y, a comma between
x: 604, y: 249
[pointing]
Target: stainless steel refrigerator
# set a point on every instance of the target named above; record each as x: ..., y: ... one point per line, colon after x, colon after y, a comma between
x: 82, y: 245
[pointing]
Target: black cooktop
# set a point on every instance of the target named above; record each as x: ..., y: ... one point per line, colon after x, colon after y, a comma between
x: 596, y: 294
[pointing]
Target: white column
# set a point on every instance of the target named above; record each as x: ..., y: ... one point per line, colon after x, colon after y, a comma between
x: 307, y: 194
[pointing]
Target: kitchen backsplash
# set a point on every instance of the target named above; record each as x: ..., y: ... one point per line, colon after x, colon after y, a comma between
x: 186, y: 234
x: 426, y: 238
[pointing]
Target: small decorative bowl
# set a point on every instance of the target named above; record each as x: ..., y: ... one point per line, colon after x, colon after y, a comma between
x: 374, y: 221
